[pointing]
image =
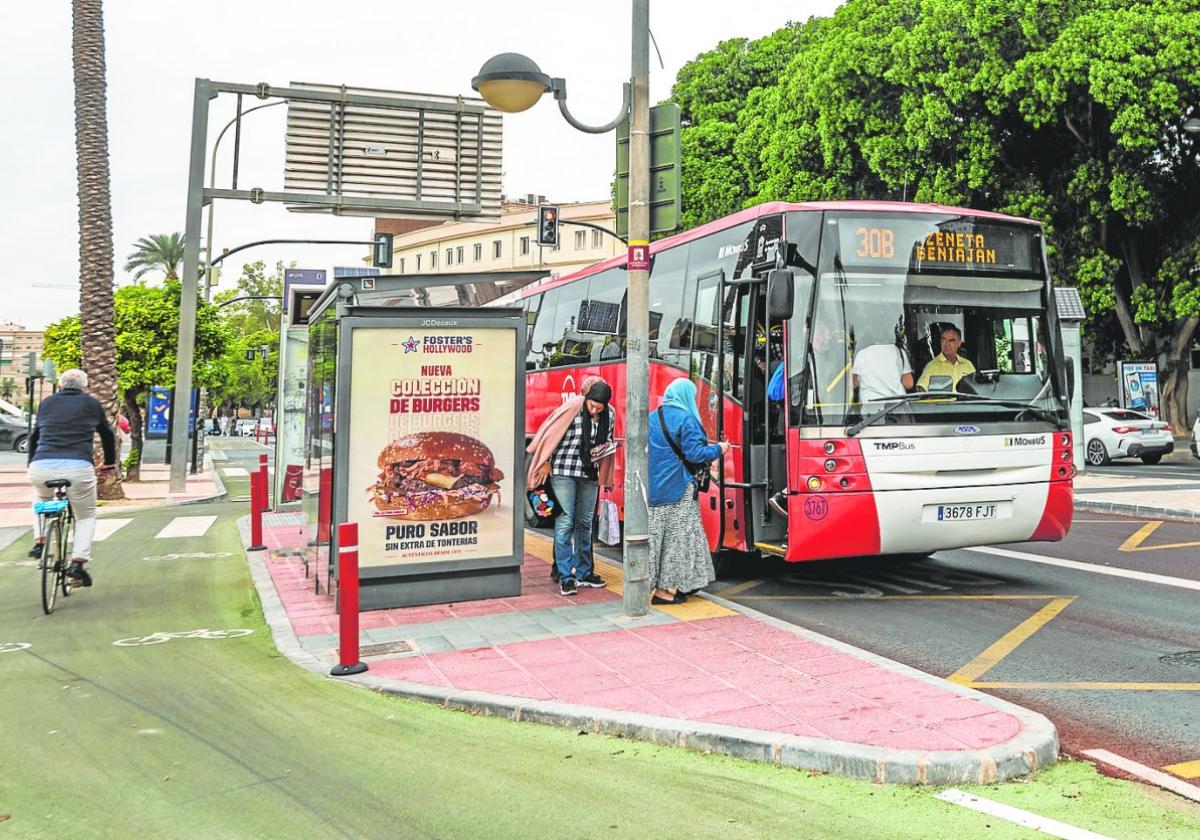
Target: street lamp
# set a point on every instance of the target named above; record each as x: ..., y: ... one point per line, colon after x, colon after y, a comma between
x: 1192, y: 125
x: 512, y: 83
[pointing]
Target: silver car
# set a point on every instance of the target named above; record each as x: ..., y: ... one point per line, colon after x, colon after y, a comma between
x: 1120, y: 433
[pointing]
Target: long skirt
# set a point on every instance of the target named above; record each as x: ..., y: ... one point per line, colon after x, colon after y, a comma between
x: 679, y: 557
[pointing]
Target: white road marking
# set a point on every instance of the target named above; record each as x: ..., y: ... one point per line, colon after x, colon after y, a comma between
x: 186, y: 526
x: 196, y: 555
x: 235, y: 472
x: 13, y: 647
x: 1016, y: 815
x: 106, y: 527
x: 1145, y: 577
x: 1149, y: 774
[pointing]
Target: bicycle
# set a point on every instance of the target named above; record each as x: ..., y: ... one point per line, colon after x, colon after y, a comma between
x: 56, y: 524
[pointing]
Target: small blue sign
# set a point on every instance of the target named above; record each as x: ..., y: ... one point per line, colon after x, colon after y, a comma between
x: 966, y: 430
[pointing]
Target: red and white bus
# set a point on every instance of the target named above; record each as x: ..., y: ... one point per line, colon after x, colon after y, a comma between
x: 819, y: 474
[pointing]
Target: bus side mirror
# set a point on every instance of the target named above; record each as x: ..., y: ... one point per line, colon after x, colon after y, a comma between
x: 1070, y: 365
x: 781, y: 293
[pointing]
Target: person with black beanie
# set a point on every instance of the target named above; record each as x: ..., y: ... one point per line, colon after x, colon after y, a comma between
x: 576, y: 466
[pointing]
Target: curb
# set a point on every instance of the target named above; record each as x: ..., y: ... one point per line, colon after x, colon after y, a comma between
x: 1035, y: 747
x: 1130, y: 509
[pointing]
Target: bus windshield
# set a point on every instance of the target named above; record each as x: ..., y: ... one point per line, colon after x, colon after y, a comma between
x: 929, y: 306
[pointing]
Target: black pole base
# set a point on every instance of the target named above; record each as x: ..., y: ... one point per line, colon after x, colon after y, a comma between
x: 348, y: 670
x: 257, y: 548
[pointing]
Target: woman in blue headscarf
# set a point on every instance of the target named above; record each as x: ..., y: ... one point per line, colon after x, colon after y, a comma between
x: 679, y: 558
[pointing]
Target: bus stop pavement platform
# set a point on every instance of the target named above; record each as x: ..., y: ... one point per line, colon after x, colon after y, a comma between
x: 707, y: 675
x: 1147, y: 498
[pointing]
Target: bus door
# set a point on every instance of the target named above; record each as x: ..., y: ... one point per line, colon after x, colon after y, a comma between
x: 764, y: 452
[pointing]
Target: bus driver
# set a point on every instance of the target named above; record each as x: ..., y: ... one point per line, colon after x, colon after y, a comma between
x: 947, y: 363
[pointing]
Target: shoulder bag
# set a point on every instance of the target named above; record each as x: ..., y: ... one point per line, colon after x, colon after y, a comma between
x: 700, y: 474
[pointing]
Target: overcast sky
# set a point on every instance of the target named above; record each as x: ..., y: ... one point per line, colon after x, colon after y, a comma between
x: 156, y: 49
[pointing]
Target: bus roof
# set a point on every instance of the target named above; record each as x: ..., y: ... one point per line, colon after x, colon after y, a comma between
x: 750, y: 214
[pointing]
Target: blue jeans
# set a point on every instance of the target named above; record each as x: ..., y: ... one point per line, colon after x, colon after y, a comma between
x: 573, y: 528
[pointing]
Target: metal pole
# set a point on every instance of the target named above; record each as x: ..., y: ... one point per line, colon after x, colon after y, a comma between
x: 185, y: 349
x: 637, y: 378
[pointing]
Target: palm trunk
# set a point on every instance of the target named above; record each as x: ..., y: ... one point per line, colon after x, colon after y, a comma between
x: 96, y: 314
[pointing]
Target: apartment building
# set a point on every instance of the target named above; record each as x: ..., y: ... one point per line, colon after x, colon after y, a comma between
x: 16, y: 343
x: 509, y: 244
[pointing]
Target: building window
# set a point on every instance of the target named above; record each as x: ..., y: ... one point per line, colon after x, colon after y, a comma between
x: 402, y: 265
x: 477, y: 252
x: 432, y: 260
x: 580, y: 240
x: 458, y: 256
x: 496, y: 249
x: 597, y: 239
x: 449, y: 257
x: 418, y: 262
x: 524, y: 246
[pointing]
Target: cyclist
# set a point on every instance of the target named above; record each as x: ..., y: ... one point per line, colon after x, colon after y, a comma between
x: 60, y: 447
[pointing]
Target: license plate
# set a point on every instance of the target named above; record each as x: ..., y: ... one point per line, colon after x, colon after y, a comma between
x: 1149, y: 431
x: 964, y: 513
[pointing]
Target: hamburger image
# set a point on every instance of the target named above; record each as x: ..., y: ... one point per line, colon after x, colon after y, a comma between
x: 435, y: 475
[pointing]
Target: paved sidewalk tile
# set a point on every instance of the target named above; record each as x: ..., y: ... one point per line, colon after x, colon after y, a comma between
x: 709, y: 667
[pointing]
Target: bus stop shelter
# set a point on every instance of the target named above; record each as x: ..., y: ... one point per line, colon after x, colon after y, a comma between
x: 412, y: 430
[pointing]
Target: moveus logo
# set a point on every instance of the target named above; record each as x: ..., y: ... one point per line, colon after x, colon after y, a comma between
x: 1021, y: 440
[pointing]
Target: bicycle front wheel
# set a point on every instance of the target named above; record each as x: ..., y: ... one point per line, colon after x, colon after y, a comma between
x: 52, y: 566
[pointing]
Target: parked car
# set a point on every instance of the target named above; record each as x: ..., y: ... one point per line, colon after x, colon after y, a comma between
x: 1120, y: 433
x: 14, y: 433
x: 1195, y: 436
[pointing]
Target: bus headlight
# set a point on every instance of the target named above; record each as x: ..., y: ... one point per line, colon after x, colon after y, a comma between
x: 830, y: 447
x: 814, y: 483
x: 1065, y: 440
x: 830, y: 465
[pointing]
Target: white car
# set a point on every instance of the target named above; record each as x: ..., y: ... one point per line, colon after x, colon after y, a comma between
x: 245, y: 427
x: 1120, y: 433
x: 1196, y: 435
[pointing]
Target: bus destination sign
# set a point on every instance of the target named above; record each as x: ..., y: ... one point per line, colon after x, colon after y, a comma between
x: 959, y: 244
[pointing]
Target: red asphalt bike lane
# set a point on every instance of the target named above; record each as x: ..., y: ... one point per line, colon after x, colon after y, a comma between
x: 733, y: 670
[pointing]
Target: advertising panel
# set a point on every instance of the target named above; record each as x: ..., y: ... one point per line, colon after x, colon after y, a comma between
x: 289, y: 428
x: 430, y: 470
x: 158, y: 414
x: 1138, y: 387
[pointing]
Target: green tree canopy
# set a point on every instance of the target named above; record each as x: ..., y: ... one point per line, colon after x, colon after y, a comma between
x: 1066, y: 111
x: 147, y: 321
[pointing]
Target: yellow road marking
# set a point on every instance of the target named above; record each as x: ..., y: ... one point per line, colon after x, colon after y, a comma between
x: 726, y: 592
x: 1134, y: 543
x: 739, y: 589
x: 694, y: 609
x: 1009, y: 642
x: 1186, y: 770
x: 1087, y: 686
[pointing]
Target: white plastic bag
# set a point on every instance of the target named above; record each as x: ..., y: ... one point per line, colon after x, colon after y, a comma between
x: 609, y: 530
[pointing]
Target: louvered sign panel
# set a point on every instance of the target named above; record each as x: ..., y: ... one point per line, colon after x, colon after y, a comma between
x: 419, y: 155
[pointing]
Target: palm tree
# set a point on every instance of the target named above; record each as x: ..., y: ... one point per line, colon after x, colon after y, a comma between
x: 157, y: 252
x: 8, y: 387
x: 97, y: 316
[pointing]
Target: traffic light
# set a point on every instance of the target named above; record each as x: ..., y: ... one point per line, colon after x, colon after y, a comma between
x: 382, y: 258
x: 547, y: 226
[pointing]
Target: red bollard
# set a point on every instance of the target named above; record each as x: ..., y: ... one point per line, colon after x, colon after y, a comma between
x: 256, y: 512
x: 266, y: 482
x: 324, y: 505
x: 348, y: 662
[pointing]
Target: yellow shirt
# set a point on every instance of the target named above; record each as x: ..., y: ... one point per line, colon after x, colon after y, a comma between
x: 941, y: 366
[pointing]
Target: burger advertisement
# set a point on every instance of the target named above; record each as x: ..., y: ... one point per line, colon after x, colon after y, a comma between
x: 431, y: 444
